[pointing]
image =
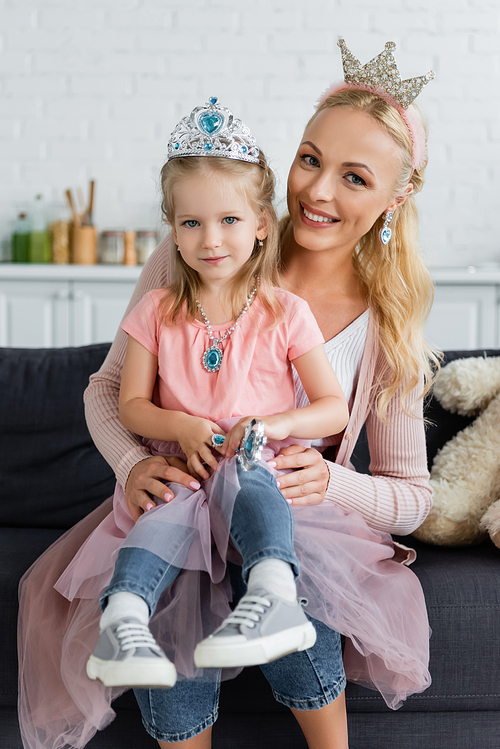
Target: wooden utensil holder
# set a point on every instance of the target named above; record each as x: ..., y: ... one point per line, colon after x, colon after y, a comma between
x: 84, y: 245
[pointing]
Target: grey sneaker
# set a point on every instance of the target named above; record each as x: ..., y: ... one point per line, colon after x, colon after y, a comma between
x: 127, y: 655
x: 261, y: 629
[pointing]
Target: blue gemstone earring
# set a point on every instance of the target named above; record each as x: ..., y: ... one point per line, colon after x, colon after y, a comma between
x: 385, y: 232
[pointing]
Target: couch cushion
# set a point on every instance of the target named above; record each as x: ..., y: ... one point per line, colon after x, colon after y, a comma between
x: 20, y: 547
x: 462, y: 592
x: 42, y: 426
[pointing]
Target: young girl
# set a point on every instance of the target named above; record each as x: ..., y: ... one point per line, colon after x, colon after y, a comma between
x: 191, y: 373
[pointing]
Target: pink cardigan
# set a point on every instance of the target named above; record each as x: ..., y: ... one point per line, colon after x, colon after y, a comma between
x: 395, y: 498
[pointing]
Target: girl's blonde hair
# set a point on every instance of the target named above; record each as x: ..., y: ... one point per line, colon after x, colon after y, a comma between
x: 395, y: 280
x: 257, y: 184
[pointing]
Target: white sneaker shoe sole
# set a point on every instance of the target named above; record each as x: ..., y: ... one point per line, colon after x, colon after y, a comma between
x: 224, y: 652
x: 136, y: 672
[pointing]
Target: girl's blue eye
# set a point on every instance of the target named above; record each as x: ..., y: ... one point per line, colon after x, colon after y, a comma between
x: 230, y: 220
x: 356, y: 179
x: 191, y: 223
x: 310, y: 160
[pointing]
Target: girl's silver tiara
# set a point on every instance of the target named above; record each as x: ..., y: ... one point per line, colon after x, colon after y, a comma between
x: 212, y: 130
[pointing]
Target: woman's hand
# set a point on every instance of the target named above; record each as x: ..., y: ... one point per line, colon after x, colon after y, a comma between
x: 146, y: 478
x: 276, y: 427
x: 196, y: 443
x: 308, y: 485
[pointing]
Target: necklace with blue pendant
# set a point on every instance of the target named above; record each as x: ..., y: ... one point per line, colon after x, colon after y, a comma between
x: 212, y: 358
x: 213, y: 355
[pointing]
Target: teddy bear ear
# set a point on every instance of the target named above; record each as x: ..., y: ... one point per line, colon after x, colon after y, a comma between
x: 467, y: 386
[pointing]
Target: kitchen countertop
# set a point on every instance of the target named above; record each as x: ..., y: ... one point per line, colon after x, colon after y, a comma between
x: 473, y: 274
x: 54, y: 272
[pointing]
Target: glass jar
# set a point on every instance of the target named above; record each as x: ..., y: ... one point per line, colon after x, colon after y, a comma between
x: 145, y: 244
x: 111, y: 247
x: 39, y: 245
x: 21, y: 239
x: 60, y: 236
x: 130, y: 255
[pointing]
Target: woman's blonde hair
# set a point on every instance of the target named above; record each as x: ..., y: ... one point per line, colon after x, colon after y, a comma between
x: 395, y: 280
x: 256, y: 183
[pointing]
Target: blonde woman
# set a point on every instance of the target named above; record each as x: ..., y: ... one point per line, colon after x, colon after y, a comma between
x: 359, y: 164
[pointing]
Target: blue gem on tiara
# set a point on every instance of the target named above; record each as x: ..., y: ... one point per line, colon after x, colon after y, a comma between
x: 228, y: 137
x: 211, y: 122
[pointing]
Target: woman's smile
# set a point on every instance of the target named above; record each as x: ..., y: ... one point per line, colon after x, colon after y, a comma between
x: 315, y: 217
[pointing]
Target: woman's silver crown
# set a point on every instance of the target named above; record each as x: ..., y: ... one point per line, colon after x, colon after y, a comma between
x: 382, y: 72
x: 212, y: 130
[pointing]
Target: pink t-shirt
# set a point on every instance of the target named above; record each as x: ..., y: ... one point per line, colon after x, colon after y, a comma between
x: 256, y: 373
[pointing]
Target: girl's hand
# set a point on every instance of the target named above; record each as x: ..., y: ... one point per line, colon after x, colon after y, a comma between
x: 276, y: 427
x: 146, y: 478
x: 196, y: 442
x: 308, y: 485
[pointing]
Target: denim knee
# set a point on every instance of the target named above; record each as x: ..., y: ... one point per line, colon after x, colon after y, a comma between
x: 262, y: 522
x: 310, y: 679
x: 180, y: 713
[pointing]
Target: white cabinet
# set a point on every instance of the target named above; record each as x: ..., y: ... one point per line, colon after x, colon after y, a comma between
x: 34, y: 314
x: 53, y: 306
x: 463, y: 317
x: 98, y: 309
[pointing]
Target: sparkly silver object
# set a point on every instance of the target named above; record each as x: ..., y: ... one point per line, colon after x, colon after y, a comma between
x: 213, y: 355
x: 212, y: 130
x: 382, y: 72
x: 252, y: 444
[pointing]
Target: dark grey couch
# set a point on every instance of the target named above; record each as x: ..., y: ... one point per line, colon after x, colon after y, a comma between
x: 51, y: 476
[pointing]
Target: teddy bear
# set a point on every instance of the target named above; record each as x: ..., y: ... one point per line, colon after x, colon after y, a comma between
x: 465, y: 475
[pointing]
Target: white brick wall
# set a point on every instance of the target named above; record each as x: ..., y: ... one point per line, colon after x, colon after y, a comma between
x: 92, y: 88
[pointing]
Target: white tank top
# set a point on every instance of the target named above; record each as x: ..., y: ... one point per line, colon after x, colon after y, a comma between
x: 344, y: 353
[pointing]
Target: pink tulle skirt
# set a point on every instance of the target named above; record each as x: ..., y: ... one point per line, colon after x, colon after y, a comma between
x: 348, y: 574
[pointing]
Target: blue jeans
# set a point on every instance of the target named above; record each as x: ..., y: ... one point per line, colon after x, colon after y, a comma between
x: 307, y: 680
x: 261, y: 528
